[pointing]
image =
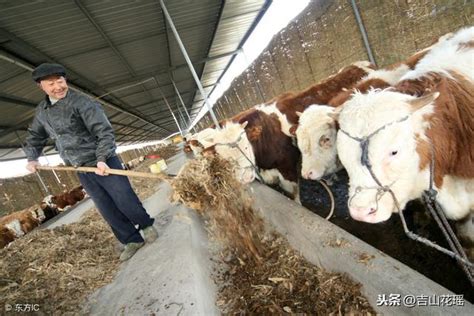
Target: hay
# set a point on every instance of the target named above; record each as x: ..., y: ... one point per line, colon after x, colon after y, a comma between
x: 166, y: 152
x: 287, y: 283
x: 58, y: 268
x: 208, y: 185
x: 262, y: 274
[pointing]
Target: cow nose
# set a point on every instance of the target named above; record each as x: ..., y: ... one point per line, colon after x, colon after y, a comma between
x: 361, y: 213
x: 308, y: 174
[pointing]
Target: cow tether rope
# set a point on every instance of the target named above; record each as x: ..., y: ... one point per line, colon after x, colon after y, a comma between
x: 235, y: 144
x: 429, y: 197
x: 331, y: 196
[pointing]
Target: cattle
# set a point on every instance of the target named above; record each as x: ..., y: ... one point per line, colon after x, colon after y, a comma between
x: 287, y: 105
x: 199, y: 141
x: 261, y: 137
x: 427, y: 117
x: 18, y: 224
x: 6, y: 236
x: 317, y: 128
x: 65, y: 199
x: 49, y: 210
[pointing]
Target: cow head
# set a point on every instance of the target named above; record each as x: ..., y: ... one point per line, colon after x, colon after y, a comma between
x: 398, y: 123
x: 199, y: 141
x: 316, y: 135
x: 230, y: 142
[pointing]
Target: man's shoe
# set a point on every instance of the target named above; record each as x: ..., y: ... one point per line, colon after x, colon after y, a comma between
x: 150, y: 234
x: 130, y: 250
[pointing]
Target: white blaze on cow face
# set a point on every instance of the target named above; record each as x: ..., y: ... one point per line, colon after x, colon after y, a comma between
x: 316, y: 135
x: 392, y: 152
x: 228, y: 135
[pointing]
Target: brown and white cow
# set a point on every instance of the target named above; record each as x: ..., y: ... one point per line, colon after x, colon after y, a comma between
x: 198, y: 141
x: 17, y: 224
x: 263, y: 132
x: 431, y: 108
x: 317, y: 128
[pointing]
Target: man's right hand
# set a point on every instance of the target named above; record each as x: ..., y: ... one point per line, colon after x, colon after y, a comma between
x: 31, y: 166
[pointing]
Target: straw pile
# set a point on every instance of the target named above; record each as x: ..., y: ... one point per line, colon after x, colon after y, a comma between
x: 260, y: 273
x: 287, y: 283
x: 167, y: 151
x: 58, y: 268
x: 208, y: 185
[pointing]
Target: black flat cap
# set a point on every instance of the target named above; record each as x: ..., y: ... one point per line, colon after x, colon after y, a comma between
x: 46, y: 69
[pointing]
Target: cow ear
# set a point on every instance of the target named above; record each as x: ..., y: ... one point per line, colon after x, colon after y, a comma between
x: 298, y: 114
x: 335, y: 114
x: 423, y: 101
x: 244, y: 124
x: 293, y: 129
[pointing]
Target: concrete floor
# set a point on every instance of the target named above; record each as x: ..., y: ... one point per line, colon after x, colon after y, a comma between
x: 172, y: 276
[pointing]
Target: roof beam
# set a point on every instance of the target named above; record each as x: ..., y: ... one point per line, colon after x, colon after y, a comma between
x: 111, y: 44
x: 168, y: 96
x: 104, y: 36
x: 28, y: 66
x: 24, y: 128
x: 129, y: 41
x: 156, y: 72
x: 168, y: 46
x: 16, y: 100
x: 257, y: 19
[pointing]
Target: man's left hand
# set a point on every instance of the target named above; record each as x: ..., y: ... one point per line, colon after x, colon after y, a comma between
x: 102, y: 169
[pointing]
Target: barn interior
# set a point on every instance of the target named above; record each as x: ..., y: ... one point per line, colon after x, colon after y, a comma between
x: 152, y: 64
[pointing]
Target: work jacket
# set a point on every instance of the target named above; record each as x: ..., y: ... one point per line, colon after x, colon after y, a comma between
x: 79, y: 127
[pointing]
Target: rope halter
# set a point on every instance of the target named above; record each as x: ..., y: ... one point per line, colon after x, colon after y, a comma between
x: 235, y: 144
x: 429, y: 197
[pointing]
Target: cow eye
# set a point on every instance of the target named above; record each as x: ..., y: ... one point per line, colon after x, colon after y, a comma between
x: 324, y: 141
x: 393, y: 153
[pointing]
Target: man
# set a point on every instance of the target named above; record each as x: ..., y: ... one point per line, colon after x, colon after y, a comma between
x: 84, y: 137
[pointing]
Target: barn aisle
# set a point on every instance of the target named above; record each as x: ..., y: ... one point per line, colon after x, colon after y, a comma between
x: 169, y: 276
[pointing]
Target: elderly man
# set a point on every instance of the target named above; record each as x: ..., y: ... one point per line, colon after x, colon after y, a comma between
x: 84, y: 137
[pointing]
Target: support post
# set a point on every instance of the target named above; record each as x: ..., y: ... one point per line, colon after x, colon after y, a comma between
x: 190, y: 65
x: 169, y: 107
x: 182, y: 102
x: 363, y: 32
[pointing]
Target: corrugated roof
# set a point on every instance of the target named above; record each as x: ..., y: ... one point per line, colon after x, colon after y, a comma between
x: 109, y: 47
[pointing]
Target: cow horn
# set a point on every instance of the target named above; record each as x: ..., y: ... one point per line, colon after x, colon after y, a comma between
x: 420, y: 102
x: 334, y: 114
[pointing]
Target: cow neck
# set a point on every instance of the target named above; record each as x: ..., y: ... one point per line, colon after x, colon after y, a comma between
x: 235, y: 144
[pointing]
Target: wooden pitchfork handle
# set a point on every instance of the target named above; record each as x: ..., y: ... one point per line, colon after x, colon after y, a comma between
x: 120, y: 172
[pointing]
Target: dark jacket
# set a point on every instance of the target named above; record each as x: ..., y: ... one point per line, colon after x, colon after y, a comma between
x: 78, y: 125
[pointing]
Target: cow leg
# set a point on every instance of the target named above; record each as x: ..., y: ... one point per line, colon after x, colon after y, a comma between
x: 270, y: 176
x: 297, y: 196
x: 291, y: 188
